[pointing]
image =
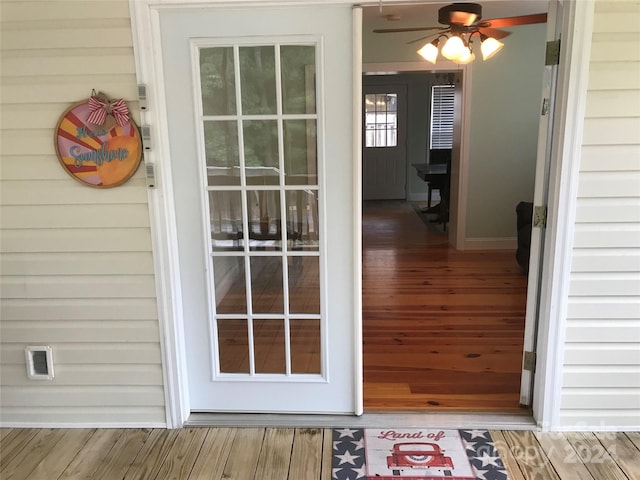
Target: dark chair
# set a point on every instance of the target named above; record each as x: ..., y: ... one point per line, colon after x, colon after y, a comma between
x: 440, y: 156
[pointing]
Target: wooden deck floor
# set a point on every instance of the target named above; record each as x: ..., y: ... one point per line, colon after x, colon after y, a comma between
x: 442, y: 329
x: 279, y: 454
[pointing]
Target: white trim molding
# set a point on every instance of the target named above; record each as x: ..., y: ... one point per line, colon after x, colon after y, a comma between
x: 146, y: 28
x: 357, y: 211
x: 568, y: 124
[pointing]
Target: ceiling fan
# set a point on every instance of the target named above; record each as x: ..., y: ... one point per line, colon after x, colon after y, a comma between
x: 462, y: 21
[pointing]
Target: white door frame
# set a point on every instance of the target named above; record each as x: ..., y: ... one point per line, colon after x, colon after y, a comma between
x: 458, y: 191
x: 567, y: 137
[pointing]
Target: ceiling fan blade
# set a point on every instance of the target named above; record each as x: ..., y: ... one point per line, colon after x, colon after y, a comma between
x: 514, y: 21
x: 415, y: 40
x: 494, y: 32
x: 409, y: 29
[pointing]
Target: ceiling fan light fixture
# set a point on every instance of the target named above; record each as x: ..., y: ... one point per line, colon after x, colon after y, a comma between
x: 489, y: 47
x: 429, y: 51
x: 454, y: 48
x: 467, y: 57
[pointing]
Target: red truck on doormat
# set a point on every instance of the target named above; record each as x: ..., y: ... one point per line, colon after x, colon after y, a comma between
x: 426, y: 457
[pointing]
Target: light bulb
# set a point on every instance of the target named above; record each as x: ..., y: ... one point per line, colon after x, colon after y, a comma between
x: 454, y: 48
x: 489, y: 47
x: 467, y: 57
x: 429, y: 52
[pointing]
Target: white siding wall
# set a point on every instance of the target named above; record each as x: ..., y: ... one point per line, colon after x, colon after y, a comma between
x: 601, y: 383
x: 77, y: 268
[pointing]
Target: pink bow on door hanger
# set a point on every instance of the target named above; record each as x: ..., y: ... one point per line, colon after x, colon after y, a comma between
x: 100, y: 108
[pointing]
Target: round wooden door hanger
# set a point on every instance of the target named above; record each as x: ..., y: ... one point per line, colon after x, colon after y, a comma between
x: 97, y: 142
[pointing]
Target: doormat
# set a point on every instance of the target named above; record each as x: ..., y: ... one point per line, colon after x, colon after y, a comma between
x: 415, y: 454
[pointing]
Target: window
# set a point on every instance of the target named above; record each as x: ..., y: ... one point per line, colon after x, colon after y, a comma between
x: 442, y: 97
x: 381, y: 119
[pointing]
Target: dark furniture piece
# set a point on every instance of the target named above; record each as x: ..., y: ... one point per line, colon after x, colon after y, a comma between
x: 439, y: 157
x: 437, y: 174
x: 524, y: 214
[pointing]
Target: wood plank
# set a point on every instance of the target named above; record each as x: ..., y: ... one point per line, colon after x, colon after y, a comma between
x: 54, y: 331
x: 100, y: 239
x: 620, y: 103
x: 78, y: 263
x: 621, y: 158
x: 131, y: 395
x: 243, y: 459
x: 609, y: 260
x: 105, y: 353
x: 31, y: 455
x: 306, y: 456
x: 86, y: 415
x: 276, y: 455
x: 32, y: 65
x: 77, y: 309
x: 116, y: 463
x: 508, y: 459
x: 90, y: 375
x: 14, y: 443
x: 605, y: 207
x: 183, y: 453
x: 606, y: 354
x: 326, y: 472
x: 614, y: 376
x: 634, y: 437
x: 47, y: 192
x: 80, y: 216
x: 622, y: 451
x: 61, y: 10
x: 213, y: 454
x: 4, y: 432
x: 531, y: 457
x: 85, y: 463
x: 79, y: 286
x: 586, y: 308
x: 603, y: 330
x: 110, y: 36
x: 152, y: 455
x: 591, y: 452
x: 61, y: 455
x: 605, y: 187
x: 559, y: 451
x: 613, y: 76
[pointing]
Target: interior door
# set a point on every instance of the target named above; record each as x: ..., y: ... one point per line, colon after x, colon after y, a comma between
x: 541, y: 191
x: 384, y: 158
x: 259, y: 105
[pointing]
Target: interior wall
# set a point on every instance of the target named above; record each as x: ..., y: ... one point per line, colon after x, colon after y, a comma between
x: 504, y: 116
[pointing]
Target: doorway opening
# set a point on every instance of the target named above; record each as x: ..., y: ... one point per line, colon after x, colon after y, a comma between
x: 444, y: 305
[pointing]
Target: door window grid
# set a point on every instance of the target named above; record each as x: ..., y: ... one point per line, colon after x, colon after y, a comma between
x: 243, y: 242
x: 381, y: 119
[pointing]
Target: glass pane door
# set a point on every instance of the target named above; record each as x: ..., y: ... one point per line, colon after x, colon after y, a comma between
x: 258, y: 119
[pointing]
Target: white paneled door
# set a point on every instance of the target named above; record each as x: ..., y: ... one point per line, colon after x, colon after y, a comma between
x: 384, y: 160
x: 259, y: 105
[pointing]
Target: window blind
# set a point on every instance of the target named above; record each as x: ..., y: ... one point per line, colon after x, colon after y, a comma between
x: 442, y: 99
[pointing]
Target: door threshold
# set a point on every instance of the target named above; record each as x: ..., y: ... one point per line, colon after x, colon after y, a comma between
x: 462, y: 420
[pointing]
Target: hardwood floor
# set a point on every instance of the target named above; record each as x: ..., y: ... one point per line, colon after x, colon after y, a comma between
x: 443, y: 329
x: 279, y: 454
